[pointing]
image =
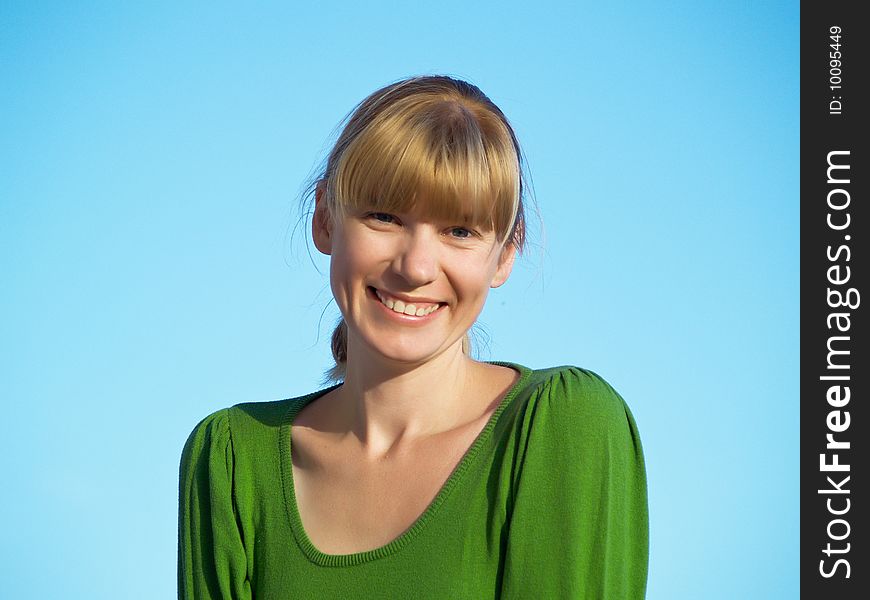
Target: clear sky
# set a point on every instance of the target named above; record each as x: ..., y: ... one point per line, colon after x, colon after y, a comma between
x: 151, y: 157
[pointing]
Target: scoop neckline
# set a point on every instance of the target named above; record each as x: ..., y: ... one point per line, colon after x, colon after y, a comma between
x: 342, y: 560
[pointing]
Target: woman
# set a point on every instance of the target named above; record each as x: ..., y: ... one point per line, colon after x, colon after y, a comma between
x: 423, y: 472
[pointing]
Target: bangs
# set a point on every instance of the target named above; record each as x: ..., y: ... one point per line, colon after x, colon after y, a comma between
x: 435, y: 157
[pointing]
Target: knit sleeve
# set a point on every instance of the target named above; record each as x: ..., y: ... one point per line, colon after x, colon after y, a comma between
x: 579, y: 525
x: 211, y: 556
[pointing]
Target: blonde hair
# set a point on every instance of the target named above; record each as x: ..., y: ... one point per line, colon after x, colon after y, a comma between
x: 433, y: 144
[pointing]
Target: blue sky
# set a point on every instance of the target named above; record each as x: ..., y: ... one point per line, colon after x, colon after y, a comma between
x: 150, y: 165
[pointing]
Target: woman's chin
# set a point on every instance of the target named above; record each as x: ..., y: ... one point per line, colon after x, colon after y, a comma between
x: 410, y: 351
x: 404, y: 356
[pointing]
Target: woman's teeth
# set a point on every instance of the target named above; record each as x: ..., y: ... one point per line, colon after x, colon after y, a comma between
x: 406, y: 309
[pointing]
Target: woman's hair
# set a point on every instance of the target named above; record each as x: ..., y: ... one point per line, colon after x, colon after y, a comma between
x: 434, y: 144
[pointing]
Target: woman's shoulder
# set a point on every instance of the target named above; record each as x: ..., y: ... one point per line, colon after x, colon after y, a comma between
x: 575, y: 400
x: 247, y: 419
x: 574, y: 419
x: 573, y: 388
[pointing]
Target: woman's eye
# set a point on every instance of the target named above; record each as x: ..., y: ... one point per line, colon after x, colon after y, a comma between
x: 382, y: 217
x: 460, y: 232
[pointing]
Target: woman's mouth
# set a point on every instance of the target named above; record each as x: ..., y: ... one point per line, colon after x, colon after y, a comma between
x: 405, y: 307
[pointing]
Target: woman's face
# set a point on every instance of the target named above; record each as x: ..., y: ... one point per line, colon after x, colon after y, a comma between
x: 385, y: 267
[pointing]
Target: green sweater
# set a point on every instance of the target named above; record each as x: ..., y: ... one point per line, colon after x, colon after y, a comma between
x: 549, y: 502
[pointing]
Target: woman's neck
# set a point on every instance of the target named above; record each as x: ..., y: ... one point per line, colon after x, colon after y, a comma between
x: 388, y: 406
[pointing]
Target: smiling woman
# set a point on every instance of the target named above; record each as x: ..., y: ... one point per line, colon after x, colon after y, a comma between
x: 429, y: 148
x: 422, y: 472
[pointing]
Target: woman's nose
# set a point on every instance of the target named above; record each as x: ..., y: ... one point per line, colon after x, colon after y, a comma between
x: 417, y: 260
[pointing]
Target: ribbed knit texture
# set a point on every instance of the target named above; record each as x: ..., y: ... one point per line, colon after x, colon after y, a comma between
x: 550, y: 501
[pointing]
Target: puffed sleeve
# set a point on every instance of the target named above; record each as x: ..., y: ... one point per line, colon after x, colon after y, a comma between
x: 579, y: 526
x: 211, y: 556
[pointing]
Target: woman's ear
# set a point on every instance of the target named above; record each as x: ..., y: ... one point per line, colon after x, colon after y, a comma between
x: 505, y: 265
x: 321, y: 222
